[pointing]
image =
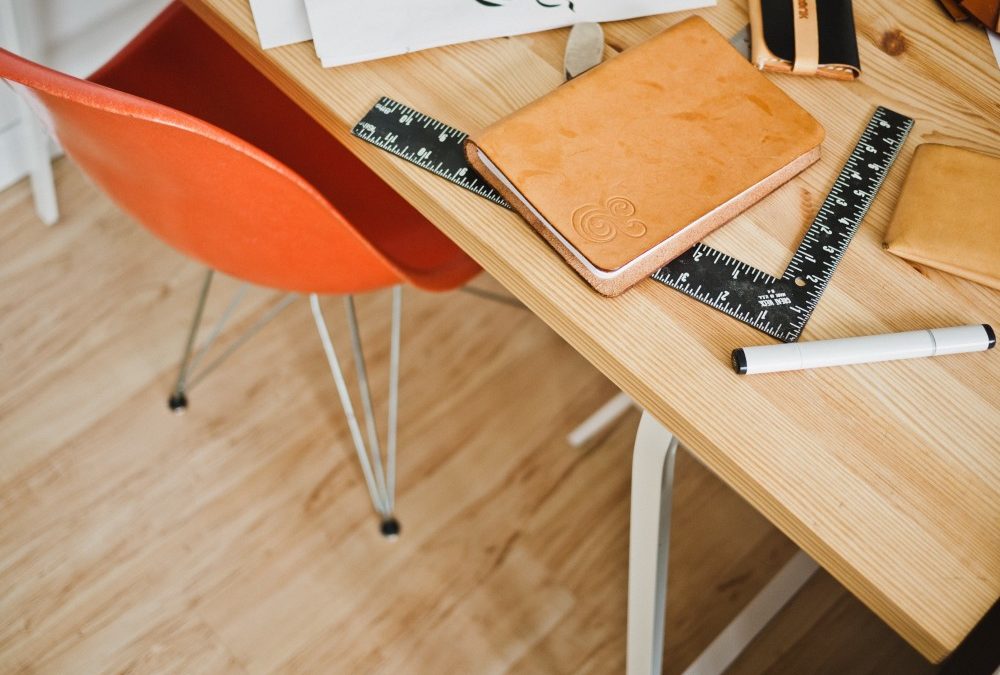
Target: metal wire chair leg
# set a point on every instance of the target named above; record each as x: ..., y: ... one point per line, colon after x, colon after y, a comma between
x: 216, y: 331
x: 190, y: 372
x: 196, y: 375
x: 377, y: 497
x: 374, y: 447
x: 381, y: 481
x: 390, y: 461
x: 178, y: 398
x: 386, y: 479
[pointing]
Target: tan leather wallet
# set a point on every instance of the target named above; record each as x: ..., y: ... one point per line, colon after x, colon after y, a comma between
x: 804, y: 37
x: 948, y: 215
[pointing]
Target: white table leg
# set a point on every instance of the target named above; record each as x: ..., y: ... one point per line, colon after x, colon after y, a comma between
x: 649, y: 548
x: 649, y: 544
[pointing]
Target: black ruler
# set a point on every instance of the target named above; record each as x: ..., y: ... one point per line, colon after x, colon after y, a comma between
x: 778, y: 306
x: 781, y: 306
x: 423, y: 141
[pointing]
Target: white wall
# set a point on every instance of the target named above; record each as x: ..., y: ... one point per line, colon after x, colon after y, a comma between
x: 68, y: 35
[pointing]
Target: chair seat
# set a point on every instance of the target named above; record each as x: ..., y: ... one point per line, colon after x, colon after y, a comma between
x: 180, y: 62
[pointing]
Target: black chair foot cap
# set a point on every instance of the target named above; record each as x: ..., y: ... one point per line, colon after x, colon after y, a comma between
x: 389, y: 528
x: 178, y: 403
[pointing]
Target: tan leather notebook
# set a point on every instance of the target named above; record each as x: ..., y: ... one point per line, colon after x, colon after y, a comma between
x: 627, y: 166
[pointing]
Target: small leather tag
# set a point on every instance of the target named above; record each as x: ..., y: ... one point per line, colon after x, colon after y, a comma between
x: 806, y: 37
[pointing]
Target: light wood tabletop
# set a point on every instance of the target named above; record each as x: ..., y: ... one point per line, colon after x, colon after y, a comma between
x: 887, y: 474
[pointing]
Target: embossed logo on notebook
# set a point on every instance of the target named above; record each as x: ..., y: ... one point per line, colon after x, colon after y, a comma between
x: 602, y: 223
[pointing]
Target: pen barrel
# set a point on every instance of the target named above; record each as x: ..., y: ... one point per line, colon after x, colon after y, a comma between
x: 868, y: 349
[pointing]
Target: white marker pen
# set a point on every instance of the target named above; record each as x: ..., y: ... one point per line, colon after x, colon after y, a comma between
x: 868, y: 349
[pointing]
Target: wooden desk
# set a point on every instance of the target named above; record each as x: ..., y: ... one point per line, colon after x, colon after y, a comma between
x: 888, y: 474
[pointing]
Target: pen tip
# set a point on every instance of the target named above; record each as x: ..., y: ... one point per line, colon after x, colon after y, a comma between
x: 991, y: 335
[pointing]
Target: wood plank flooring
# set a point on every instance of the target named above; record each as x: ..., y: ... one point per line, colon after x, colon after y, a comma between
x: 238, y: 538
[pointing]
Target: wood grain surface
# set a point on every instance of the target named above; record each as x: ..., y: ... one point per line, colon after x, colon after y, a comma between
x: 887, y: 474
x: 238, y: 538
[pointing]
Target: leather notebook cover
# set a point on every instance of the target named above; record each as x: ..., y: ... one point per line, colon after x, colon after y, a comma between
x: 805, y: 37
x: 627, y: 166
x: 948, y: 215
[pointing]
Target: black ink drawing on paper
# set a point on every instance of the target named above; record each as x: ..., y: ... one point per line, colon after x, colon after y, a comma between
x: 543, y: 3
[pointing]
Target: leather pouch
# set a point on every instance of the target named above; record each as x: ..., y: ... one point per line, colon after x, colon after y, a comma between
x: 948, y: 215
x: 805, y: 37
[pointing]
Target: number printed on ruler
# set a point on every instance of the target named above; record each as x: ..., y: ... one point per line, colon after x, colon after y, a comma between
x: 778, y: 306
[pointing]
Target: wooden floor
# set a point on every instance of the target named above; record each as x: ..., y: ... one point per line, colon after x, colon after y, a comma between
x: 238, y: 537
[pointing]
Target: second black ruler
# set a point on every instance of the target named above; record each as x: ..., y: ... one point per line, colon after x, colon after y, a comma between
x: 781, y: 306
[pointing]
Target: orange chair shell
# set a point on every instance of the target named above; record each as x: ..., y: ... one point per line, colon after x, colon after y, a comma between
x: 215, y: 194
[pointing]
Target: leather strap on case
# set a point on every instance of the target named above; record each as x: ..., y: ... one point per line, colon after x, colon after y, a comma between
x: 806, y: 37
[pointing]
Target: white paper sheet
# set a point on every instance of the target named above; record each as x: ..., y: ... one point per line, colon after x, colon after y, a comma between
x: 280, y: 22
x: 348, y: 32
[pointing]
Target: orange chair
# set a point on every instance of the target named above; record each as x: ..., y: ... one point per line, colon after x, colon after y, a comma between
x: 203, y: 150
